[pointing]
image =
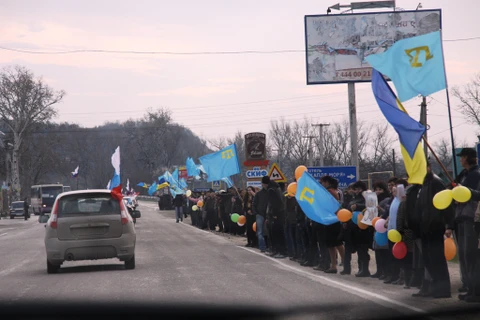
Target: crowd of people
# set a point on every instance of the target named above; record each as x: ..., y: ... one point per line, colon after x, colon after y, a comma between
x: 278, y: 227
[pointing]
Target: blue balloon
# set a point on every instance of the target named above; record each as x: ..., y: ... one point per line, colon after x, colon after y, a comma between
x: 381, y: 238
x: 355, y: 217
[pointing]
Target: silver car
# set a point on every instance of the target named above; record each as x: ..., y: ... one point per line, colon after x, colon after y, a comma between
x: 89, y: 225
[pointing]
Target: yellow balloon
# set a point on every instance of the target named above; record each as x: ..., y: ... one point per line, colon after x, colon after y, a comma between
x: 461, y: 194
x: 194, y: 208
x: 443, y: 199
x: 394, y: 236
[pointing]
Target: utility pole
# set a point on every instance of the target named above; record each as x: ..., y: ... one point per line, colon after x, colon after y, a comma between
x: 423, y: 120
x: 321, y: 151
x: 309, y: 152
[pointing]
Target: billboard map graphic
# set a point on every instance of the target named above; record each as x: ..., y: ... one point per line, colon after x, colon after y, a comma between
x: 336, y: 45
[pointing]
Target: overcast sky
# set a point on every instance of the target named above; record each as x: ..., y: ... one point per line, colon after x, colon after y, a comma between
x: 214, y: 95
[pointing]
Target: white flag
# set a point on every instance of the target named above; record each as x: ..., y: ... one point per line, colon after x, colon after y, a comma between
x: 116, y: 161
x: 108, y: 185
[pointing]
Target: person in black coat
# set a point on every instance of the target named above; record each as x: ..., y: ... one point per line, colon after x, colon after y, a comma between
x: 276, y: 214
x: 432, y: 229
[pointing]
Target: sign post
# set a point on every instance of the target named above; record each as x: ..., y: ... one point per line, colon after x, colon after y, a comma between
x: 344, y: 175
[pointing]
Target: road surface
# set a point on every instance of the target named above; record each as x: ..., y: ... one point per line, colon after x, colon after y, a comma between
x: 180, y: 263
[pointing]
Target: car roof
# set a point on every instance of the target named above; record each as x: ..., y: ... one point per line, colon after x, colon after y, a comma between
x: 89, y: 191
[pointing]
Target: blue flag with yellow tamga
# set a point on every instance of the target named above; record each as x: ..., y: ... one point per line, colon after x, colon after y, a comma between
x: 316, y: 201
x: 415, y: 65
x: 152, y: 189
x: 192, y: 169
x: 220, y: 164
x: 409, y: 130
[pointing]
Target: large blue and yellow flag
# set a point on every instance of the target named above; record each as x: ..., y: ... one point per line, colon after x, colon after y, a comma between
x: 220, y: 164
x: 316, y: 201
x: 409, y: 130
x: 415, y: 65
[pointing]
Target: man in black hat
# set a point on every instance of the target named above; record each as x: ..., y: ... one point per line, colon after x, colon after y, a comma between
x: 210, y: 209
x: 465, y: 231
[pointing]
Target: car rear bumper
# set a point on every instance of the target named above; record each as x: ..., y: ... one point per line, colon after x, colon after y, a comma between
x: 17, y: 213
x: 59, y: 251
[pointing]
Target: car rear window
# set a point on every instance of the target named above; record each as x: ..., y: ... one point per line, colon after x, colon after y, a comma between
x: 88, y: 204
x: 17, y: 205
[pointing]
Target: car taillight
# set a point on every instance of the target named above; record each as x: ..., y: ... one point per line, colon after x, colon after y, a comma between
x: 123, y: 212
x: 54, y: 217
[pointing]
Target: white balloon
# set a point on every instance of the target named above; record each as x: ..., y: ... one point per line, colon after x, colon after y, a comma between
x: 194, y: 208
x: 189, y: 193
x: 240, y: 225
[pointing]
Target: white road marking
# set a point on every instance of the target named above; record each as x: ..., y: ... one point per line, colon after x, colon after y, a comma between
x: 348, y: 288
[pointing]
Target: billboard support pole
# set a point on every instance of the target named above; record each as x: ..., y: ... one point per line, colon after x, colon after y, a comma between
x: 352, y: 108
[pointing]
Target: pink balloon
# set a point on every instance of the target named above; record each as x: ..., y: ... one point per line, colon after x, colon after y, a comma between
x: 380, y: 226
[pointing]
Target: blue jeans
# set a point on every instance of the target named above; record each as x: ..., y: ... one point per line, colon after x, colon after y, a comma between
x: 261, y: 240
x: 178, y: 213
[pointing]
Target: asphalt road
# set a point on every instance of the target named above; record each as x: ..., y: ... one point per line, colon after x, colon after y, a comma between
x: 178, y: 263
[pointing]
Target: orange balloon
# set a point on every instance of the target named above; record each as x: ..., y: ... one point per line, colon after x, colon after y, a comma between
x: 361, y: 225
x: 292, y: 188
x: 344, y: 215
x: 299, y: 171
x: 254, y: 227
x: 242, y: 220
x: 374, y: 220
x: 200, y: 203
x: 450, y: 249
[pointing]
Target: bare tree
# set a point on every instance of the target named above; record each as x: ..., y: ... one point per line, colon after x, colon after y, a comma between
x: 469, y: 97
x: 24, y: 101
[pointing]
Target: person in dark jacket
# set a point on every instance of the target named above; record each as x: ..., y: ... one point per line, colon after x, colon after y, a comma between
x: 276, y: 212
x: 291, y: 225
x: 363, y: 238
x: 178, y: 204
x: 252, y: 240
x: 260, y: 204
x: 465, y: 232
x: 352, y: 236
x: 25, y: 209
x: 301, y: 237
x: 432, y: 230
x: 209, y: 205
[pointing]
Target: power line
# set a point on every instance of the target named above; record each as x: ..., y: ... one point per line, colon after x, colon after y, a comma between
x: 180, y: 53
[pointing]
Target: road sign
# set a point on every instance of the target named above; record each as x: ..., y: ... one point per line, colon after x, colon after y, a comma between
x: 276, y: 174
x: 255, y: 184
x: 344, y: 175
x: 256, y: 172
x: 216, y: 185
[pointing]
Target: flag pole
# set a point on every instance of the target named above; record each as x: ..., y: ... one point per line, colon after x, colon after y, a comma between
x: 439, y: 162
x: 455, y: 170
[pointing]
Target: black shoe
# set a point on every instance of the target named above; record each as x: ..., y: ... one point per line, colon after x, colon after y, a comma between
x: 177, y: 221
x: 364, y: 274
x: 441, y: 295
x: 345, y: 272
x: 331, y: 271
x: 306, y: 263
x: 472, y: 299
x: 388, y: 280
x: 463, y: 289
x: 398, y: 282
x: 376, y: 275
x: 248, y: 245
x: 319, y: 268
x: 463, y: 296
x: 279, y: 256
x: 382, y: 277
x: 420, y: 294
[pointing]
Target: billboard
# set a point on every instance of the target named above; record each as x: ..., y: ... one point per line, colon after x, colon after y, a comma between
x: 337, y: 44
x: 255, y: 146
